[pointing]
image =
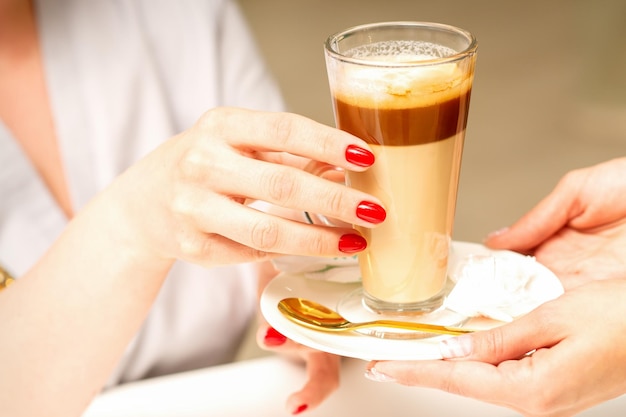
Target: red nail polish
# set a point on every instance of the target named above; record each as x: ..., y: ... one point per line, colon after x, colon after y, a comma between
x: 371, y: 212
x: 300, y: 409
x: 352, y: 243
x: 273, y: 338
x: 359, y: 156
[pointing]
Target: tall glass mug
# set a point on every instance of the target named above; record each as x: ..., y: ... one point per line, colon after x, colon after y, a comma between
x: 404, y: 88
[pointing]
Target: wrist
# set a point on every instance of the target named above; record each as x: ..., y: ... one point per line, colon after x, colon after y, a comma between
x: 122, y: 232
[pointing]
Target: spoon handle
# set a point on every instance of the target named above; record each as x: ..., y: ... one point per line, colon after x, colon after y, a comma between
x: 407, y: 325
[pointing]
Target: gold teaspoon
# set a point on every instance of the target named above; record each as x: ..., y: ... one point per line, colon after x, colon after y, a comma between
x: 316, y: 316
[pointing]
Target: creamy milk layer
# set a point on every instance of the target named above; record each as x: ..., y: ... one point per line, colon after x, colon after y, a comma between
x: 407, y: 255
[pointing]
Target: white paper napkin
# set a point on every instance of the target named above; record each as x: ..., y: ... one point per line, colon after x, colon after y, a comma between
x: 500, y: 285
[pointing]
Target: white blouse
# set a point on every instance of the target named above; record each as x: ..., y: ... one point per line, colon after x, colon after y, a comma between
x: 122, y: 77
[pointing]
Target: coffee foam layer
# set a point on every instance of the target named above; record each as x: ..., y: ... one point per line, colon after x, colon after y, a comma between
x: 399, y: 86
x: 401, y: 51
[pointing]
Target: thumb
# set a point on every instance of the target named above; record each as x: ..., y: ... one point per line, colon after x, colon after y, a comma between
x: 509, y: 341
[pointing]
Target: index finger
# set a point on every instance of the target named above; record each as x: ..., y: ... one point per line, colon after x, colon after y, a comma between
x: 549, y: 216
x: 285, y: 132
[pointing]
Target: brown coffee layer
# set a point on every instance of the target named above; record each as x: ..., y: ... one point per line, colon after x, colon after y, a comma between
x: 404, y: 126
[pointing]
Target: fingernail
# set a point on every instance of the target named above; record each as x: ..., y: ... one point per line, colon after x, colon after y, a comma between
x: 273, y: 338
x: 456, y: 347
x: 352, y: 243
x: 497, y: 233
x: 359, y: 156
x: 371, y: 212
x: 375, y: 375
x: 300, y: 409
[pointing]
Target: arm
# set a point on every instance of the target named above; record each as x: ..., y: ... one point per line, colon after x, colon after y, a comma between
x: 66, y: 322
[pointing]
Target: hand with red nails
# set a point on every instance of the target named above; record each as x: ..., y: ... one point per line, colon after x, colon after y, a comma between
x: 185, y: 200
x: 322, y: 368
x: 567, y: 355
x: 197, y: 184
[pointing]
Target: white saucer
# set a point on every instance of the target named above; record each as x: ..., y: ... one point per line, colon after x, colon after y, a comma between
x: 353, y: 344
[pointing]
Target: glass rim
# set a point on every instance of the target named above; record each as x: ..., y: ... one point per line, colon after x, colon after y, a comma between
x: 460, y: 55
